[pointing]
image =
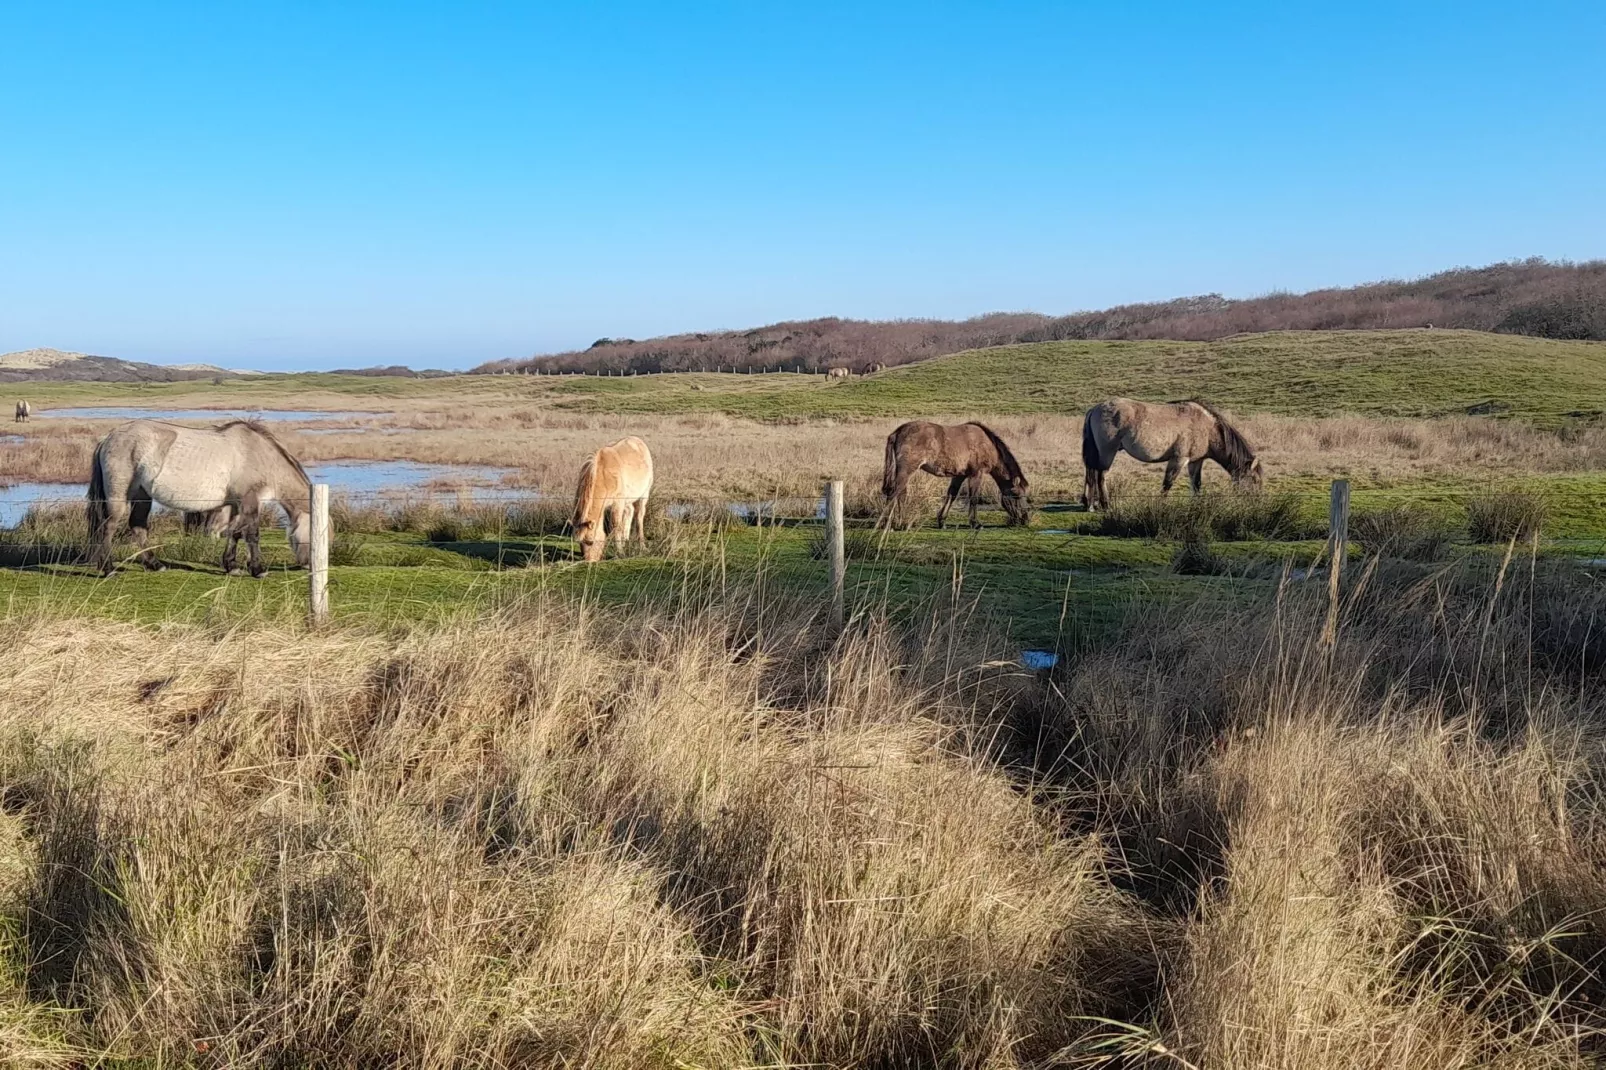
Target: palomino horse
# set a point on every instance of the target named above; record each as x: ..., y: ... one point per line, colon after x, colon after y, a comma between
x: 1178, y: 433
x: 238, y: 465
x: 837, y: 373
x: 964, y: 453
x: 614, y: 484
x: 24, y: 410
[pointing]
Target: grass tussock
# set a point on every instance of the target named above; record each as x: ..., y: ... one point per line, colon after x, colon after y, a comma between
x: 1228, y: 517
x: 716, y: 835
x: 1407, y: 531
x: 1505, y: 513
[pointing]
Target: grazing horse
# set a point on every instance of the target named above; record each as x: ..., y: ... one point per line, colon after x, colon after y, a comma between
x: 238, y: 466
x: 24, y: 410
x: 1178, y: 433
x: 876, y: 367
x: 964, y: 453
x: 837, y: 373
x: 614, y: 484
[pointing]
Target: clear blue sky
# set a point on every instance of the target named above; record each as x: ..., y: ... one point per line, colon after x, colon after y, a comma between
x: 317, y: 185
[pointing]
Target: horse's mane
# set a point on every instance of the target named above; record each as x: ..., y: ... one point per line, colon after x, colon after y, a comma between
x: 1011, y: 466
x: 262, y: 429
x: 584, y: 492
x: 1236, y: 453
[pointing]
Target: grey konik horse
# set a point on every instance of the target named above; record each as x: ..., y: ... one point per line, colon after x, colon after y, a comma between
x: 24, y: 410
x: 238, y: 466
x: 1177, y: 433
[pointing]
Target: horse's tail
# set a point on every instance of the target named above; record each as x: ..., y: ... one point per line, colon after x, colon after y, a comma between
x: 889, y: 470
x: 95, y: 508
x: 1092, y: 458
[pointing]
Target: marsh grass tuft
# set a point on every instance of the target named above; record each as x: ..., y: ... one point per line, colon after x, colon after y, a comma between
x: 1225, y: 517
x: 1409, y: 531
x: 1505, y: 513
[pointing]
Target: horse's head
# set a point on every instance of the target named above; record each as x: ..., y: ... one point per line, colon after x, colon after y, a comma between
x: 1253, y: 476
x: 592, y: 539
x: 1016, y: 505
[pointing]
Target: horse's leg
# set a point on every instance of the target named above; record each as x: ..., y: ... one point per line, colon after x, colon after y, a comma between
x: 245, y: 519
x: 900, y: 483
x: 231, y: 545
x: 641, y: 520
x: 116, y: 517
x: 139, y: 523
x: 1172, y: 468
x: 623, y: 513
x: 973, y: 491
x: 1196, y: 474
x: 955, y: 485
x: 251, y: 514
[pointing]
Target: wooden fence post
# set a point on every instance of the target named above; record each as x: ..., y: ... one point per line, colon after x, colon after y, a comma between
x: 1338, y: 545
x: 837, y: 550
x: 318, y: 561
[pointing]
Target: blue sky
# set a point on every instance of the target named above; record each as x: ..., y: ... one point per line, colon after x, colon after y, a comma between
x: 319, y: 185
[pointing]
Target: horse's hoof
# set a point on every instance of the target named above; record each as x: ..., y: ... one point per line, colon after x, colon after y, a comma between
x: 158, y: 567
x: 234, y: 571
x: 258, y: 573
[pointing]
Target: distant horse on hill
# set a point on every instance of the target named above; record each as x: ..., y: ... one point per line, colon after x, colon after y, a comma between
x: 239, y: 466
x: 24, y: 410
x: 876, y: 367
x: 962, y: 452
x: 615, y: 483
x: 838, y: 373
x: 1178, y: 433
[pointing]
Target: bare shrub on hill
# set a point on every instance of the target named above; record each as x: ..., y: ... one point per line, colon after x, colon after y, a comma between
x: 1550, y: 299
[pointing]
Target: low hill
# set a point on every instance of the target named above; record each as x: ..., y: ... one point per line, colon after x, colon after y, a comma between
x: 1532, y: 297
x: 55, y: 365
x: 1388, y: 373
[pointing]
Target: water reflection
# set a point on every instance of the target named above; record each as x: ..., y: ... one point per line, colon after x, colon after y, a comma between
x: 113, y: 412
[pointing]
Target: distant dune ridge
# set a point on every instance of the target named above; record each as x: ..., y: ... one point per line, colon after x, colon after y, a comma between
x: 56, y: 365
x: 1542, y: 298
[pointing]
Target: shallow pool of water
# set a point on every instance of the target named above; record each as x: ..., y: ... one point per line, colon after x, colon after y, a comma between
x: 17, y: 499
x: 353, y: 478
x: 374, y: 477
x: 113, y: 412
x: 12, y: 440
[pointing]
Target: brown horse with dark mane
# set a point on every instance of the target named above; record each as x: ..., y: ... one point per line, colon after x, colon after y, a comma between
x: 962, y: 452
x: 1177, y: 433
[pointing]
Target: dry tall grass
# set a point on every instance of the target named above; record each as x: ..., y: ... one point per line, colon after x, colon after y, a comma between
x: 712, y: 454
x: 716, y: 837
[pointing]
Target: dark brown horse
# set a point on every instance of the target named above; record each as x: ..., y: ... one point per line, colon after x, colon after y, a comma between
x: 964, y: 453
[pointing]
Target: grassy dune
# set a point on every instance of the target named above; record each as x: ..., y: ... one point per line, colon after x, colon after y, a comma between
x: 1304, y: 373
x: 1316, y: 373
